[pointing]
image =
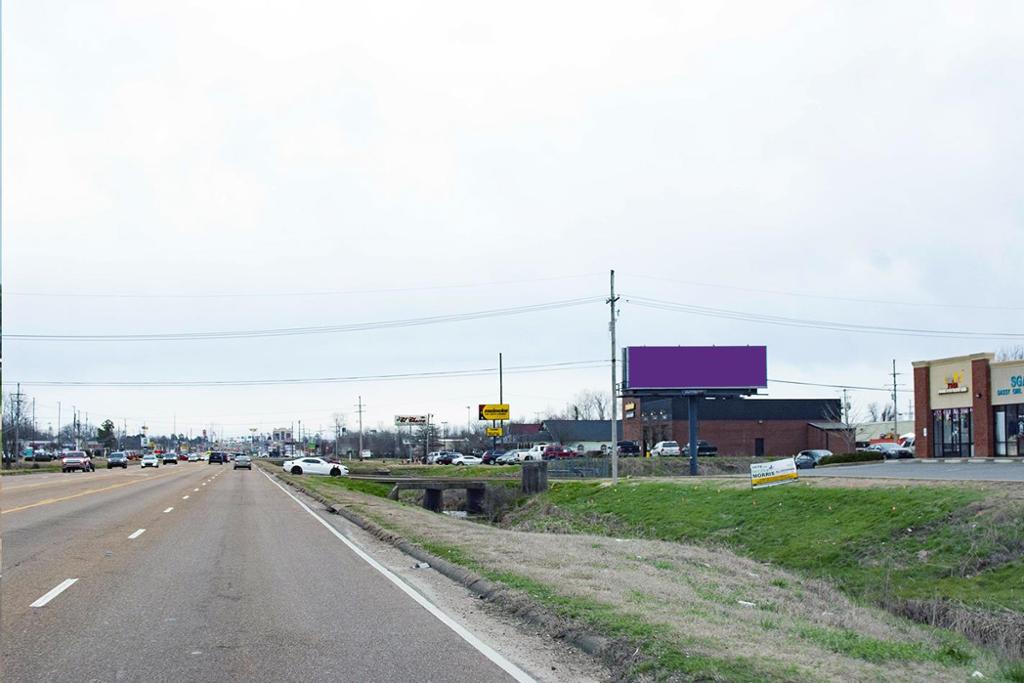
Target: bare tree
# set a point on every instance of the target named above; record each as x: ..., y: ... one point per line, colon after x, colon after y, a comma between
x: 874, y: 412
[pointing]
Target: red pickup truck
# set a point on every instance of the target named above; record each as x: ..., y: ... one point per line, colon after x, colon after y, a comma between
x: 556, y: 451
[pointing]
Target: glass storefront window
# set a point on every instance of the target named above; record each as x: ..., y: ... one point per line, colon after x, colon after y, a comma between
x: 952, y: 430
x: 1009, y: 429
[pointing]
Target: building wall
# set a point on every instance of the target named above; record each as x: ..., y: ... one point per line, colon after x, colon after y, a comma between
x: 1007, y: 382
x: 981, y: 394
x: 923, y: 412
x: 738, y: 437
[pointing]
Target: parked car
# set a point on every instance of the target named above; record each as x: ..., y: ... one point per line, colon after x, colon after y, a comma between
x: 461, y: 459
x: 891, y: 451
x: 243, y: 461
x: 76, y: 460
x: 703, y: 448
x: 507, y: 458
x: 314, y: 466
x: 183, y: 457
x: 536, y: 452
x: 805, y: 461
x: 489, y: 457
x: 216, y: 457
x: 665, y: 448
x: 628, y: 448
x: 117, y: 459
x: 558, y: 451
x: 816, y: 454
x: 448, y: 457
x: 150, y: 460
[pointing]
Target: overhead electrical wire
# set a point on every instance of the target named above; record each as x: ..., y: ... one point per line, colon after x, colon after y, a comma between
x: 316, y: 329
x: 744, y: 316
x: 326, y: 292
x: 476, y: 372
x: 825, y: 297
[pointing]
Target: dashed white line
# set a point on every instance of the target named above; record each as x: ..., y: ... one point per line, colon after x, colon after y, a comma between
x: 184, y: 497
x: 195, y: 489
x: 60, y: 588
x: 136, y: 534
x: 168, y: 509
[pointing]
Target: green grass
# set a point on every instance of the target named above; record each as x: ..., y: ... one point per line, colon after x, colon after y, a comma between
x: 853, y: 644
x: 874, y: 542
x: 323, y: 484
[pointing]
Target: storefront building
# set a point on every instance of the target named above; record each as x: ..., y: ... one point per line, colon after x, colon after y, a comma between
x: 969, y: 406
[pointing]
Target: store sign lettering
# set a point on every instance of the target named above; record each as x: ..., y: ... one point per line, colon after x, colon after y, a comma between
x: 953, y: 384
x: 1016, y: 386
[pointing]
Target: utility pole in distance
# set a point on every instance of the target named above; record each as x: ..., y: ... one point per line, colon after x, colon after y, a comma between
x: 359, y: 407
x: 895, y: 405
x: 612, y: 300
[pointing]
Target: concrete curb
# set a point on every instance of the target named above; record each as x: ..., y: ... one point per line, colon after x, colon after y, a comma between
x: 589, y: 642
x: 848, y: 464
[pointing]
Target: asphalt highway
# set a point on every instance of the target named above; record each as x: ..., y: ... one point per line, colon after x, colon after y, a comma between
x: 198, y: 572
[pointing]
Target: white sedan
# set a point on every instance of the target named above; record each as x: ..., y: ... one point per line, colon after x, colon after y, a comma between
x: 315, y: 466
x: 150, y: 460
x: 666, y: 448
x: 466, y: 460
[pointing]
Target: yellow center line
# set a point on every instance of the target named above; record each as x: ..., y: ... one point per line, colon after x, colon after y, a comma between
x: 49, y: 501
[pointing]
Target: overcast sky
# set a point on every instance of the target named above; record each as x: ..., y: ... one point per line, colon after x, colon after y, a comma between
x: 329, y: 163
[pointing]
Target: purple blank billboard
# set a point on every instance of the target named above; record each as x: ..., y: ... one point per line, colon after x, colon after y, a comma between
x: 696, y: 367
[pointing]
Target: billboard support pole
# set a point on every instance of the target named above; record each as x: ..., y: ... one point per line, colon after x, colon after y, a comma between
x: 615, y: 431
x: 691, y: 421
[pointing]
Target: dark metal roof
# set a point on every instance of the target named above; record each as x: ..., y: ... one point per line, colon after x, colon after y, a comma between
x: 581, y: 430
x: 809, y: 409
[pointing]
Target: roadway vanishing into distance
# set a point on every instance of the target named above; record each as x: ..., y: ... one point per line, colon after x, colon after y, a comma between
x: 938, y: 471
x: 197, y: 572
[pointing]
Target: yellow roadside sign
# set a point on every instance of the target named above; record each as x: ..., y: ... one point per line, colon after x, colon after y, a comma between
x: 495, y: 431
x: 494, y: 411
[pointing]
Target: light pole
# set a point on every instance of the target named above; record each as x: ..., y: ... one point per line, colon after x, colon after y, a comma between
x: 252, y: 440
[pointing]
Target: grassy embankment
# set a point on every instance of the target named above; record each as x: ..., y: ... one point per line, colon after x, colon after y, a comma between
x: 884, y: 544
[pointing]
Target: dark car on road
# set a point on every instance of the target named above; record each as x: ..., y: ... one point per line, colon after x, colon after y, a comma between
x: 703, y: 448
x: 628, y: 448
x: 117, y: 459
x: 216, y: 458
x: 489, y: 457
x: 243, y: 461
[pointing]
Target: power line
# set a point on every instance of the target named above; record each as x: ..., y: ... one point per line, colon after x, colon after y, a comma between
x: 321, y: 329
x: 676, y: 307
x: 337, y: 292
x: 544, y: 367
x: 826, y: 297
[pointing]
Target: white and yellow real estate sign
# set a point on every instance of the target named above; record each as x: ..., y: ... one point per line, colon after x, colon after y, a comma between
x: 764, y: 474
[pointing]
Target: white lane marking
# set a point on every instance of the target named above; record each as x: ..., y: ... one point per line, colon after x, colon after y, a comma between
x: 481, y: 647
x: 60, y: 588
x: 195, y: 489
x: 136, y: 534
x: 204, y: 483
x: 168, y: 509
x: 184, y: 497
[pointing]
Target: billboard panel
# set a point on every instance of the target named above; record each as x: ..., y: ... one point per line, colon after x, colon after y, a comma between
x: 695, y: 367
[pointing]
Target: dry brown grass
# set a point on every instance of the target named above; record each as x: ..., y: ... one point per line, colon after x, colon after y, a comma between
x: 697, y: 594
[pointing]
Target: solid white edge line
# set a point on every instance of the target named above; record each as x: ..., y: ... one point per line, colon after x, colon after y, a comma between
x: 136, y: 534
x: 60, y: 588
x: 184, y: 497
x: 168, y: 510
x: 481, y: 647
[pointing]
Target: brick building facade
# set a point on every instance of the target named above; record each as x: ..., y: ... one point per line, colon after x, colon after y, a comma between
x: 741, y: 426
x: 969, y: 406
